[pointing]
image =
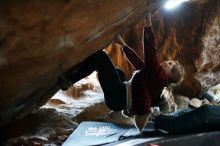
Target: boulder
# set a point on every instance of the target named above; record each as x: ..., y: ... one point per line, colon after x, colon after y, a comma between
x: 41, y: 39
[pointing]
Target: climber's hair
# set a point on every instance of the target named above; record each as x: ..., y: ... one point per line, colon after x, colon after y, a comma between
x: 177, y: 73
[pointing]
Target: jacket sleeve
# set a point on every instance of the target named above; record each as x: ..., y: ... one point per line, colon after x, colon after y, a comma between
x: 133, y: 58
x: 151, y: 61
x: 150, y: 57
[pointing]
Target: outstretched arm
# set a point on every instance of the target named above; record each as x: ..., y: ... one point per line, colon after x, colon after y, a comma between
x: 131, y: 55
x: 150, y: 57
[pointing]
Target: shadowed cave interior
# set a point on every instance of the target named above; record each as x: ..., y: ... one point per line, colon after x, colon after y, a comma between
x: 41, y: 40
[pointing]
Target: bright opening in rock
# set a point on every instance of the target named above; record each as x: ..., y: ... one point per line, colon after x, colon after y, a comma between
x: 78, y: 97
x: 171, y: 4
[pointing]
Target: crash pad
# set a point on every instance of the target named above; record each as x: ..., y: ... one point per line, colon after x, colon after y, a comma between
x: 103, y: 133
x: 100, y: 133
x: 203, y: 119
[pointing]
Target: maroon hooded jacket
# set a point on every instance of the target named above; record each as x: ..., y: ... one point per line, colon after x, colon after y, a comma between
x: 149, y: 81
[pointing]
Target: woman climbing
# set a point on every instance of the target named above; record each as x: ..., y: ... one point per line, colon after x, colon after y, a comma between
x: 136, y: 96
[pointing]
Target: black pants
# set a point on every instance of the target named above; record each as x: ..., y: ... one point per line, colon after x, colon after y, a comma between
x: 110, y: 78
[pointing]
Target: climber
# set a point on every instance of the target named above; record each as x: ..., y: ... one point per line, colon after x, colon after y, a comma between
x: 136, y: 96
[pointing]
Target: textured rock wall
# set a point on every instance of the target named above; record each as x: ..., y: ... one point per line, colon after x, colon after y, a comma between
x: 208, y: 63
x: 133, y: 38
x: 189, y: 34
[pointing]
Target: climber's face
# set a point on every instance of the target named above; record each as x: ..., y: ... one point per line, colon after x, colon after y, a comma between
x: 167, y: 66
